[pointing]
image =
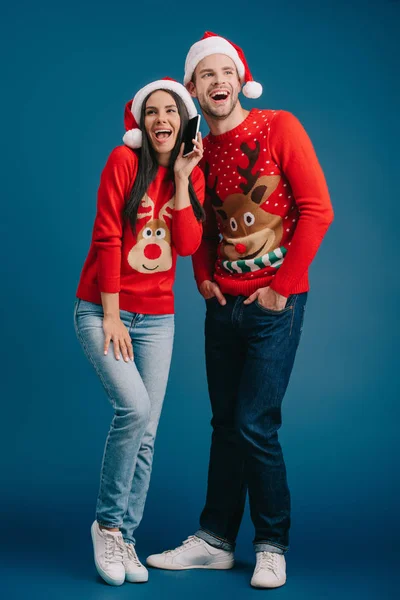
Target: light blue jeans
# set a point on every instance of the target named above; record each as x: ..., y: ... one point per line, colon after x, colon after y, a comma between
x: 136, y: 391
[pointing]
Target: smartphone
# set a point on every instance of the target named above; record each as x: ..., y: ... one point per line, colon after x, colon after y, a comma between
x: 190, y: 134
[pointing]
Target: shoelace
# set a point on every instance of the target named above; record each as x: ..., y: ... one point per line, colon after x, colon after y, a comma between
x: 269, y: 560
x: 192, y: 540
x: 131, y: 555
x: 114, y: 551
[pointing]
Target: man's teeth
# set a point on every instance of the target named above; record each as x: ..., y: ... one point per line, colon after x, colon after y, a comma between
x: 219, y: 96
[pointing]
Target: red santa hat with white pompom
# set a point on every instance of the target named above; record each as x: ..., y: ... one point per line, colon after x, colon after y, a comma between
x: 212, y: 43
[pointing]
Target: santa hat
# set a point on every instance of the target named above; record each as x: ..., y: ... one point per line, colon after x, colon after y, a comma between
x: 133, y: 108
x: 214, y: 44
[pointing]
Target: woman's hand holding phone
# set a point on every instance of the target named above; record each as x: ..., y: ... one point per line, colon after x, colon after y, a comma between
x: 184, y: 165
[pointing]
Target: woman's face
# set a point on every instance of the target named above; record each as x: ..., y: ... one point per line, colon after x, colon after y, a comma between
x: 162, y: 123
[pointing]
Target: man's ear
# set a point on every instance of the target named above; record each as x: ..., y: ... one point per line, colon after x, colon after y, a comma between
x: 191, y: 88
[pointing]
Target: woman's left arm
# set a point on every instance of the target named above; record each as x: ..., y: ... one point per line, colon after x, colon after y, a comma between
x: 186, y: 229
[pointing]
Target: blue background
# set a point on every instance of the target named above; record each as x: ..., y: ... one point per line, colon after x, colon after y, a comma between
x: 68, y: 69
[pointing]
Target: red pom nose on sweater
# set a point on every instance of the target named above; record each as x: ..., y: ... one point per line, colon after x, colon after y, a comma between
x: 241, y: 248
x: 152, y: 251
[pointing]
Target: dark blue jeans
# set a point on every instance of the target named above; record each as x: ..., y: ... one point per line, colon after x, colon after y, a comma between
x: 250, y: 353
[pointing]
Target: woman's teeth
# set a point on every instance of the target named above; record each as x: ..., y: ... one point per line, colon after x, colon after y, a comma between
x: 163, y: 134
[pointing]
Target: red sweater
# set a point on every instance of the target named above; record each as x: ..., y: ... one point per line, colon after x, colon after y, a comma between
x: 140, y: 267
x: 267, y: 206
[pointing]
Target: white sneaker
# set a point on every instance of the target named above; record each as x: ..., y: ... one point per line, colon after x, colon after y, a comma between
x: 270, y: 571
x: 109, y: 551
x: 194, y: 553
x: 135, y: 572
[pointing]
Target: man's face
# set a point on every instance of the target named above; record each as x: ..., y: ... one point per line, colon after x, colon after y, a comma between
x: 216, y: 85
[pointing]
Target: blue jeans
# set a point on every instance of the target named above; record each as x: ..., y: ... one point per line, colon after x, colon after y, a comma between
x: 136, y: 391
x: 250, y: 353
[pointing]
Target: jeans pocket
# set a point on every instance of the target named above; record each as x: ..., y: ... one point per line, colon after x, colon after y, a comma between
x: 76, y: 306
x: 291, y: 301
x: 302, y: 318
x: 83, y: 307
x: 211, y: 301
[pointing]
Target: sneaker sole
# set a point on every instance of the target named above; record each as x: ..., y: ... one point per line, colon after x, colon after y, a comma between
x: 217, y: 566
x: 268, y: 587
x: 100, y: 571
x: 137, y: 578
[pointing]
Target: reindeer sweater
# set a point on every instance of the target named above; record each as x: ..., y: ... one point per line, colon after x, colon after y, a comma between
x: 141, y: 266
x: 267, y: 206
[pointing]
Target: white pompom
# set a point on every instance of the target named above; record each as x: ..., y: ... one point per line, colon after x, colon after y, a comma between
x: 252, y: 89
x: 133, y: 138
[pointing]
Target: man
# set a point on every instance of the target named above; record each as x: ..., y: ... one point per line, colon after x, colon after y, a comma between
x: 268, y: 209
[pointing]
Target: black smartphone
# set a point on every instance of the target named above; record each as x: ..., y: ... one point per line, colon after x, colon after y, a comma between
x: 190, y: 134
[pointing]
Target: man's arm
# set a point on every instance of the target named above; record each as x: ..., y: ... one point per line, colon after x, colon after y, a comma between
x: 292, y: 150
x: 204, y: 258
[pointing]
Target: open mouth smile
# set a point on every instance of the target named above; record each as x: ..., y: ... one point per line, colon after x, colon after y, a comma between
x: 219, y: 96
x: 162, y: 135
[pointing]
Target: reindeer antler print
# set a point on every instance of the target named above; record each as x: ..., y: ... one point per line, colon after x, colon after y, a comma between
x: 212, y: 191
x: 169, y: 205
x: 251, y: 178
x: 146, y: 202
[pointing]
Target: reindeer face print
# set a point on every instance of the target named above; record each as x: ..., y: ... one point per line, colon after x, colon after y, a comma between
x: 248, y: 231
x: 152, y: 252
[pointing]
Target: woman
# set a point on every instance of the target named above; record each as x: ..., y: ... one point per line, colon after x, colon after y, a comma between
x: 149, y: 210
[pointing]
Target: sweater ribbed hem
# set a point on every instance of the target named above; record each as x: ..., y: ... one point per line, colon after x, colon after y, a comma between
x: 246, y: 287
x: 146, y: 305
